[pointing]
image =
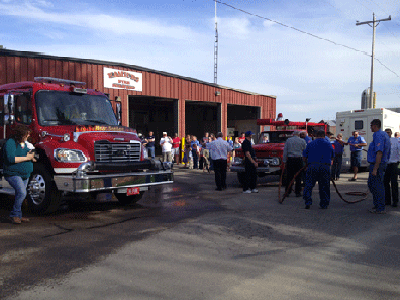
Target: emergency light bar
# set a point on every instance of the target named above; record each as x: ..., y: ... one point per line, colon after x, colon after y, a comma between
x: 59, y: 80
x: 286, y: 123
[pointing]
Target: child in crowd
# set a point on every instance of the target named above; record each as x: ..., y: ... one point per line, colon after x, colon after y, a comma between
x: 188, y: 156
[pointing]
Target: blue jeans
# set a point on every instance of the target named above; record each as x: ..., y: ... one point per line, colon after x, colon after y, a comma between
x: 376, y: 186
x: 152, y: 152
x: 19, y: 186
x: 322, y: 174
x: 195, y: 159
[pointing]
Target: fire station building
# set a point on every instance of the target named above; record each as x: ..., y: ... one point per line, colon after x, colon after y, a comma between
x: 151, y: 100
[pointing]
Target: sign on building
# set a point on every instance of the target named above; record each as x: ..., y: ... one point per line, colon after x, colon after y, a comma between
x: 123, y: 80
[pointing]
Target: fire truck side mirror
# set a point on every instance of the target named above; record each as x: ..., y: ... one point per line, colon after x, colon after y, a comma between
x: 9, y: 109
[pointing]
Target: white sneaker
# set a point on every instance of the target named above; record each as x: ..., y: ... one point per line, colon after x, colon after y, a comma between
x: 247, y: 192
x: 254, y: 191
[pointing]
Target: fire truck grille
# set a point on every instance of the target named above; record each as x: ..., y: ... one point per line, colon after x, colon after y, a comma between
x: 117, y: 152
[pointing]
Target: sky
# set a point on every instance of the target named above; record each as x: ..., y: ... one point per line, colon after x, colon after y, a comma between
x: 311, y: 56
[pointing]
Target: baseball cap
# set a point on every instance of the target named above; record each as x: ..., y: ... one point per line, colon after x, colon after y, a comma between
x: 248, y: 133
x: 164, y: 133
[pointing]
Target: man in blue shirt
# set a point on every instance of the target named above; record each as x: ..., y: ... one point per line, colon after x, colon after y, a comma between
x: 305, y: 136
x: 378, y: 156
x: 328, y: 136
x: 356, y: 143
x: 337, y: 160
x: 318, y: 156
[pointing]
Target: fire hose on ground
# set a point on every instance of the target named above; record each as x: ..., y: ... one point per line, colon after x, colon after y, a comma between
x: 334, y: 184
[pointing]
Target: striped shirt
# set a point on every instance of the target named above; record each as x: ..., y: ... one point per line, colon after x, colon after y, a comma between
x: 219, y: 149
x: 394, y: 151
x: 294, y: 147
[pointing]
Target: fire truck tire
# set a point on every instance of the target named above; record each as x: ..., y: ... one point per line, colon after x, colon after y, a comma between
x: 42, y: 195
x: 126, y: 200
x: 241, y: 177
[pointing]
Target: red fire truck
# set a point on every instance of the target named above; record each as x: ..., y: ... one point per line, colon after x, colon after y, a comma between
x: 269, y: 149
x: 80, y: 147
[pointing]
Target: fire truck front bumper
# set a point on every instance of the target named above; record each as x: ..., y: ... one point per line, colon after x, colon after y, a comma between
x: 81, y: 182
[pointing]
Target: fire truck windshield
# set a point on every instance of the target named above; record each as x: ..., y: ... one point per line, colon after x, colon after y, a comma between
x: 65, y: 108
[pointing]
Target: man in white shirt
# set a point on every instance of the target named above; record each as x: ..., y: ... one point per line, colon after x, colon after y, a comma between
x: 166, y: 144
x: 219, y: 153
x: 390, y: 177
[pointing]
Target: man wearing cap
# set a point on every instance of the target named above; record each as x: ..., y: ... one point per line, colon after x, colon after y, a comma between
x: 219, y: 152
x: 293, y: 159
x: 250, y: 165
x: 166, y: 144
x: 318, y: 156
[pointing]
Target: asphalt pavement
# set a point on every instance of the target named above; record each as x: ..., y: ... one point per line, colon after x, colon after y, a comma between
x: 188, y: 241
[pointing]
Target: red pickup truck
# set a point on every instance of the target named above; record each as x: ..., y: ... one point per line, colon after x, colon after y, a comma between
x: 269, y: 149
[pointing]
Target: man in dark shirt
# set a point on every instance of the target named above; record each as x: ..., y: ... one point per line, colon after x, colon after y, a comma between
x: 151, y: 145
x: 250, y: 165
x: 319, y: 156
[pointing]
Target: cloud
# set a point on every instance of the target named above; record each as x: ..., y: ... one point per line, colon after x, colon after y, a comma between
x: 117, y: 25
x: 234, y: 27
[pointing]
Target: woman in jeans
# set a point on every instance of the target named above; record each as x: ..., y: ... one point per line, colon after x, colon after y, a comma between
x: 17, y: 168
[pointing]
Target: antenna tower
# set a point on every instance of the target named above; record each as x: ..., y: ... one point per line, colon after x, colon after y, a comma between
x: 215, y: 46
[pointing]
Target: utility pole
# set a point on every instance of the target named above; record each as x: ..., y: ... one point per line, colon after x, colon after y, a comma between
x: 374, y: 24
x: 215, y: 46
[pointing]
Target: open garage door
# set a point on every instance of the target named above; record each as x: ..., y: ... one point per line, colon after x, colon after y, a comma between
x: 201, y: 117
x: 242, y: 118
x: 153, y: 114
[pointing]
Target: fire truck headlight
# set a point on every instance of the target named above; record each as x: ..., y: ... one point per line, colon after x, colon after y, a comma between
x: 144, y: 152
x: 237, y: 160
x: 69, y: 155
x: 274, y: 161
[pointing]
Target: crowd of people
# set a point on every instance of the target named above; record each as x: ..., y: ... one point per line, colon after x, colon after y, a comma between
x: 323, y: 161
x: 195, y: 152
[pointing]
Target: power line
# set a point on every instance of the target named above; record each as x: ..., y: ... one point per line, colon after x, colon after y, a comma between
x: 305, y: 32
x: 294, y: 28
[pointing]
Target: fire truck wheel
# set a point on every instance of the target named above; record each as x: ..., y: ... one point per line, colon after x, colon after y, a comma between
x: 241, y: 177
x: 43, y: 195
x: 126, y: 200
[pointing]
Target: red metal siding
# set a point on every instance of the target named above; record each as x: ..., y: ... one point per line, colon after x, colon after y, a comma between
x: 3, y: 68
